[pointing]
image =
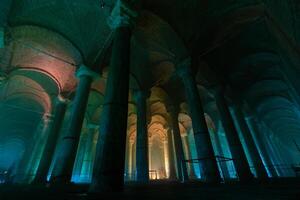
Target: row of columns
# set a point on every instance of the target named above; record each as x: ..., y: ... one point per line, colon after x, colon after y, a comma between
x: 108, y: 173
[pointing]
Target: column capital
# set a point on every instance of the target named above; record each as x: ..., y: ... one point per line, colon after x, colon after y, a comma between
x: 122, y: 15
x: 47, y: 117
x: 183, y: 68
x: 85, y: 71
x: 61, y: 99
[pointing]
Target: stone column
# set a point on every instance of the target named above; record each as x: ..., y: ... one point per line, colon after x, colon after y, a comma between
x: 181, y: 165
x: 172, y: 170
x: 27, y: 165
x: 253, y: 151
x: 239, y: 157
x: 108, y: 174
x: 208, y: 163
x: 166, y: 157
x: 88, y: 154
x: 130, y: 158
x: 261, y: 146
x: 142, y: 167
x: 62, y: 171
x: 1, y: 37
x: 81, y: 150
x: 48, y: 153
x: 188, y: 154
x: 219, y: 149
x: 150, y: 157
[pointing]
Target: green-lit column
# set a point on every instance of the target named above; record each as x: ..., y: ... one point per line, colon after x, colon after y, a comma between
x: 181, y: 166
x: 81, y: 151
x: 62, y: 171
x: 47, y: 155
x: 172, y: 169
x: 108, y: 174
x: 1, y: 37
x: 188, y: 154
x: 208, y: 163
x: 239, y: 157
x: 253, y: 151
x: 258, y: 137
x: 26, y: 166
x: 88, y: 154
x: 142, y: 163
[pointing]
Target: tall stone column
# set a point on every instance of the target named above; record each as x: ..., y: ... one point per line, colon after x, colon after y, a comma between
x: 150, y: 158
x: 81, y: 150
x: 188, y: 154
x: 172, y: 169
x: 239, y: 156
x: 208, y: 163
x: 26, y: 167
x: 88, y: 154
x: 142, y: 163
x: 108, y: 174
x: 48, y: 153
x: 130, y: 158
x: 261, y: 146
x: 62, y: 171
x: 181, y: 165
x: 253, y: 151
x: 166, y: 157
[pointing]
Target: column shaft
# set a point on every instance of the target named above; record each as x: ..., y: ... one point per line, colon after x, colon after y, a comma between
x: 253, y: 151
x: 88, y: 155
x: 172, y: 170
x: 239, y: 157
x: 47, y: 155
x: 188, y: 156
x: 142, y: 167
x: 110, y: 157
x: 262, y: 147
x: 62, y: 171
x: 208, y: 163
x: 181, y: 165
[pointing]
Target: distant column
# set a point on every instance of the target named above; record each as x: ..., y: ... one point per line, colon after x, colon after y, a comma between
x: 208, y: 164
x: 188, y: 153
x: 181, y: 166
x: 172, y: 169
x: 85, y: 170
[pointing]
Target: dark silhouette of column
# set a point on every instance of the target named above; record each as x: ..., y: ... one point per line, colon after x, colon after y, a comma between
x: 239, y: 157
x: 208, y: 163
x: 108, y: 174
x: 253, y: 151
x: 142, y: 162
x: 47, y: 155
x: 62, y: 171
x: 172, y: 169
x: 181, y: 165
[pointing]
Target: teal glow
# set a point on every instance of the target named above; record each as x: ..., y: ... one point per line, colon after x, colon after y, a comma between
x: 1, y: 38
